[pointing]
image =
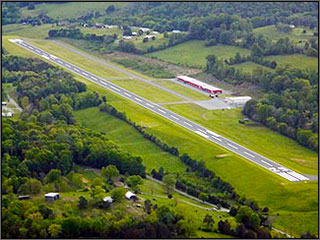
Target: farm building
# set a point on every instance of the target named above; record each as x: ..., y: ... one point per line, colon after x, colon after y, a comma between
x: 198, y: 84
x: 51, y: 196
x: 26, y: 197
x: 131, y: 196
x: 4, y: 103
x: 108, y: 199
x: 150, y: 36
x: 238, y: 101
x: 7, y: 114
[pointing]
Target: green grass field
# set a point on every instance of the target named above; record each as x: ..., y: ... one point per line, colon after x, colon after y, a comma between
x: 70, y: 9
x: 296, y: 35
x: 160, y: 40
x: 248, y: 67
x: 296, y: 60
x: 27, y: 31
x: 147, y: 91
x: 86, y: 64
x: 225, y: 122
x: 183, y: 90
x: 194, y: 53
x: 129, y: 139
x: 248, y: 179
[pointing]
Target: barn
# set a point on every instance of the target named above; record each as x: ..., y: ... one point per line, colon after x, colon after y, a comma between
x: 198, y: 84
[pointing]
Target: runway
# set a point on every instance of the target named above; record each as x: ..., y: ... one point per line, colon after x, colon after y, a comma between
x: 156, y: 108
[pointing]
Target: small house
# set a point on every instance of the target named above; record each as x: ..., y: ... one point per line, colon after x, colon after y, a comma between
x: 127, y: 37
x: 131, y: 196
x: 4, y: 103
x: 176, y: 31
x: 292, y: 26
x: 108, y: 199
x: 134, y: 33
x: 7, y: 114
x: 26, y: 197
x: 51, y: 196
x: 155, y: 32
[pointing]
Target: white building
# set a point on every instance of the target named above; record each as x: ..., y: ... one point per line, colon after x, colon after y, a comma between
x: 51, y: 196
x: 108, y: 199
x: 198, y: 84
x: 155, y: 32
x: 4, y: 103
x: 127, y: 37
x: 176, y: 31
x: 134, y: 33
x: 150, y: 36
x: 238, y: 101
x: 7, y: 114
x: 131, y: 196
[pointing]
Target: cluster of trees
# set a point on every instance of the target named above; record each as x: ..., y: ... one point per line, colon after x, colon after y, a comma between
x: 164, y: 16
x: 28, y: 220
x: 45, y: 139
x: 77, y: 34
x: 259, y: 60
x: 252, y: 224
x: 290, y: 105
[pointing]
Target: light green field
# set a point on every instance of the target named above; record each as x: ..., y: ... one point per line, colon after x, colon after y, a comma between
x: 147, y: 91
x: 247, y: 178
x: 194, y: 53
x: 248, y: 67
x: 94, y: 67
x: 296, y: 35
x: 183, y: 90
x: 129, y: 139
x: 256, y: 137
x: 296, y: 60
x: 160, y: 40
x: 71, y: 9
x: 101, y: 31
x: 27, y: 31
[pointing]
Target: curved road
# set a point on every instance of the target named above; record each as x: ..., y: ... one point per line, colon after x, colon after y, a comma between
x: 156, y: 108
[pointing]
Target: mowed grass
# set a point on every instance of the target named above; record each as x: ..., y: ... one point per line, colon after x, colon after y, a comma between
x: 147, y: 91
x: 159, y: 41
x: 296, y: 60
x: 182, y: 90
x: 254, y: 136
x: 70, y: 9
x: 248, y: 179
x: 82, y: 62
x: 129, y: 140
x: 249, y: 66
x: 194, y: 53
x: 295, y: 35
x: 27, y: 31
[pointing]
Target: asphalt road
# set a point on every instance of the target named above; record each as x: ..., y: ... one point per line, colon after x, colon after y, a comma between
x: 156, y: 108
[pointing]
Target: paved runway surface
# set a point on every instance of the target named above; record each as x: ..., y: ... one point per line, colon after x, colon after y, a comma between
x: 196, y: 128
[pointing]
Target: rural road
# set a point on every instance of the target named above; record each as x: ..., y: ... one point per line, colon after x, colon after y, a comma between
x: 173, y: 117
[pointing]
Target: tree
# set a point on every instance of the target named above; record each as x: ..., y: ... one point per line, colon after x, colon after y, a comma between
x: 241, y: 230
x: 254, y: 221
x: 31, y: 186
x: 52, y: 176
x: 133, y: 181
x: 25, y: 102
x: 118, y: 194
x: 110, y: 172
x: 203, y: 196
x: 208, y: 219
x: 147, y: 206
x: 169, y: 183
x: 82, y: 202
x: 97, y: 193
x: 54, y: 230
